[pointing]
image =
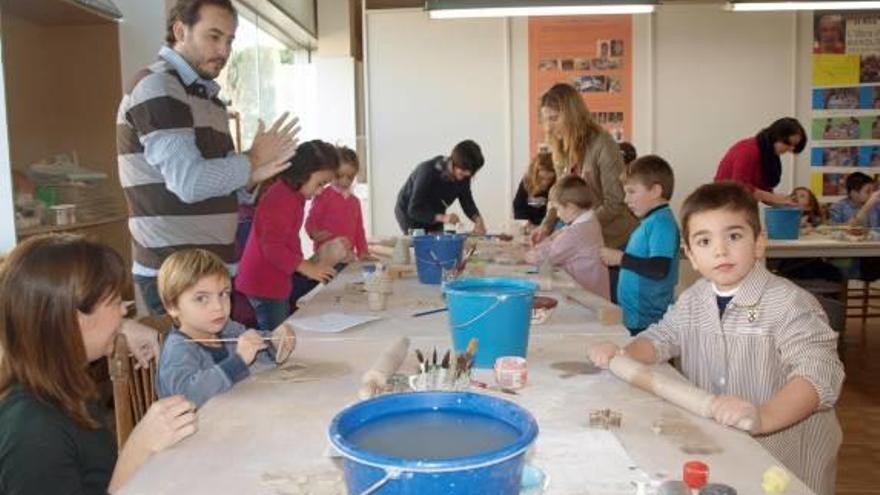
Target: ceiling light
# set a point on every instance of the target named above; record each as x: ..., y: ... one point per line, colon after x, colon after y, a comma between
x: 453, y: 9
x: 757, y: 6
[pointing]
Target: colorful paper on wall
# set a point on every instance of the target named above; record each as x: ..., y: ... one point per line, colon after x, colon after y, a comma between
x: 845, y: 129
x: 835, y: 70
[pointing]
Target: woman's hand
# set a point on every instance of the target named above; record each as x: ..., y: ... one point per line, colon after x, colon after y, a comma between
x: 143, y: 342
x: 284, y: 341
x: 167, y: 422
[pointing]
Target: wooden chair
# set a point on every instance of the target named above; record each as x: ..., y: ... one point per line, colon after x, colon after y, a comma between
x: 134, y: 390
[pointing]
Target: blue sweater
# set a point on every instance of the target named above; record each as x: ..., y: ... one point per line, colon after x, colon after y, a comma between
x: 200, y: 372
x: 649, y: 270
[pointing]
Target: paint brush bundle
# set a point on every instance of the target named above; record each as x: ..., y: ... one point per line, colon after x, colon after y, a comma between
x: 449, y: 372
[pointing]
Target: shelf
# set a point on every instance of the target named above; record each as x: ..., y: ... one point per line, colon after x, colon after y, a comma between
x: 48, y: 229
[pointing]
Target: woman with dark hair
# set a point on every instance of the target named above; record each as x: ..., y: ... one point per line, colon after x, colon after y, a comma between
x: 754, y: 161
x: 60, y: 309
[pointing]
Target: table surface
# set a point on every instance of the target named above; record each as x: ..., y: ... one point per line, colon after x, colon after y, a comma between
x: 818, y: 245
x: 270, y: 437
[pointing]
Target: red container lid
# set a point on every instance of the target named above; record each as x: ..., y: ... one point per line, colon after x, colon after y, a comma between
x: 696, y: 474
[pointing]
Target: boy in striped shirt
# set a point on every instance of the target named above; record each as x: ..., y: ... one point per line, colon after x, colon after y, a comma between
x: 758, y: 342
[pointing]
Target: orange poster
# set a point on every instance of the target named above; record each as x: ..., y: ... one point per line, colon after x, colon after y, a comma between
x: 592, y: 53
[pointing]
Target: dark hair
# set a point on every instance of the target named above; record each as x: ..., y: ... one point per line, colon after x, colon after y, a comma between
x: 627, y: 152
x: 574, y: 190
x: 650, y: 170
x: 187, y: 12
x: 781, y: 130
x: 468, y: 156
x: 310, y: 157
x: 45, y: 282
x: 725, y: 195
x: 856, y: 181
x: 348, y: 155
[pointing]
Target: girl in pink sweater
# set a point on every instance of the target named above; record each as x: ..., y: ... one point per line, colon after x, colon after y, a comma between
x: 575, y: 247
x: 336, y: 212
x: 272, y: 255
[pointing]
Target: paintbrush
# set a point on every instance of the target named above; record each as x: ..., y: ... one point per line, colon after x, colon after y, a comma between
x: 421, y: 359
x: 445, y: 363
x: 464, y: 260
x: 434, y: 359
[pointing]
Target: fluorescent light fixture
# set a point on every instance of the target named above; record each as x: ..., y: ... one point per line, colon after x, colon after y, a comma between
x: 802, y: 5
x: 455, y: 9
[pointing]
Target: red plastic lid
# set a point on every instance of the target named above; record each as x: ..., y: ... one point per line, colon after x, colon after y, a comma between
x: 696, y: 474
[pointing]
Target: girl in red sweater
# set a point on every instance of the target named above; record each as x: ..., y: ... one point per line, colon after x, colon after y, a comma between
x: 273, y: 253
x: 336, y: 212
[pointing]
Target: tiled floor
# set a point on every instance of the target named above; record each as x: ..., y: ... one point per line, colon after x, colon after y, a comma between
x: 858, y: 468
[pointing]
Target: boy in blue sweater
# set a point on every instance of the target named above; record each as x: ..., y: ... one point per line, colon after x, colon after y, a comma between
x: 206, y: 353
x: 649, y: 264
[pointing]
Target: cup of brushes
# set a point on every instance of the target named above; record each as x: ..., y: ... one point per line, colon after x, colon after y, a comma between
x: 444, y: 373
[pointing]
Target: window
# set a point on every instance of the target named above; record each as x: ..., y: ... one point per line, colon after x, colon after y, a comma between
x: 264, y: 77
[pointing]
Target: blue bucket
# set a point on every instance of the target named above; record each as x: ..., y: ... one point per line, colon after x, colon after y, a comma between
x: 783, y: 222
x: 497, y: 471
x: 436, y: 252
x: 495, y: 311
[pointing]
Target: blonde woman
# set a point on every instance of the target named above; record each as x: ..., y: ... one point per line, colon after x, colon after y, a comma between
x: 582, y: 148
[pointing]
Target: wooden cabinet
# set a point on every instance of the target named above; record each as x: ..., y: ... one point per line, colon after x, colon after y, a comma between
x: 61, y: 71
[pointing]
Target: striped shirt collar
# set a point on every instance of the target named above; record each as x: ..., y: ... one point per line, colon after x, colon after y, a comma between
x: 750, y: 290
x: 187, y: 74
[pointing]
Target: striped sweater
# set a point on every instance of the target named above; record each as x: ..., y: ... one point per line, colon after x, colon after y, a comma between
x: 180, y: 176
x: 771, y: 332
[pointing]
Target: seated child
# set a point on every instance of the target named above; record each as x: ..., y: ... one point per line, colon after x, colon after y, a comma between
x: 576, y: 246
x: 530, y: 202
x: 811, y: 211
x: 860, y: 207
x: 273, y: 254
x: 758, y: 342
x: 336, y: 212
x: 649, y: 264
x: 194, y: 286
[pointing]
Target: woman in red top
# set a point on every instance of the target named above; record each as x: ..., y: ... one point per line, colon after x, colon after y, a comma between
x: 273, y: 253
x: 754, y: 162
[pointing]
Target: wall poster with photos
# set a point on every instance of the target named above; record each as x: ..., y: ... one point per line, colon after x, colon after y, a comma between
x: 592, y: 53
x: 845, y: 130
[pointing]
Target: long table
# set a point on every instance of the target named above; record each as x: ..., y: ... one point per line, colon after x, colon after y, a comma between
x: 269, y: 435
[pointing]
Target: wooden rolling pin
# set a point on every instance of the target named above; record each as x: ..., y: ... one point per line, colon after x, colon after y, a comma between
x: 680, y: 393
x: 607, y: 312
x: 375, y: 378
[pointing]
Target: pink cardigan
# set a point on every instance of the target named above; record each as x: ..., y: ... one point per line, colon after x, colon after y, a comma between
x: 273, y: 251
x: 340, y: 216
x: 576, y: 249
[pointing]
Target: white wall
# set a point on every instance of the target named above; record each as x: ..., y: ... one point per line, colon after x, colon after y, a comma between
x: 720, y: 77
x: 703, y: 79
x: 431, y: 84
x: 141, y: 34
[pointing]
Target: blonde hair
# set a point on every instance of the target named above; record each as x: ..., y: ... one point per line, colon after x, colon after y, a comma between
x: 183, y: 269
x: 542, y: 162
x: 580, y: 128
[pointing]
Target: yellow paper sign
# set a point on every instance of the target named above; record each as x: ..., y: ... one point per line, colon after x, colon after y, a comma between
x: 816, y: 183
x: 835, y: 70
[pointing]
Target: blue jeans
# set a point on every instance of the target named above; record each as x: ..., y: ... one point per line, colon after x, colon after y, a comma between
x: 150, y: 292
x: 270, y: 312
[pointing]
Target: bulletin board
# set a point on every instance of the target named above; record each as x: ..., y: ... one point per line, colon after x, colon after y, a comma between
x: 592, y: 53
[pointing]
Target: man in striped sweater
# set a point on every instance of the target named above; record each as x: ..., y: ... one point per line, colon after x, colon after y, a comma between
x: 179, y: 170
